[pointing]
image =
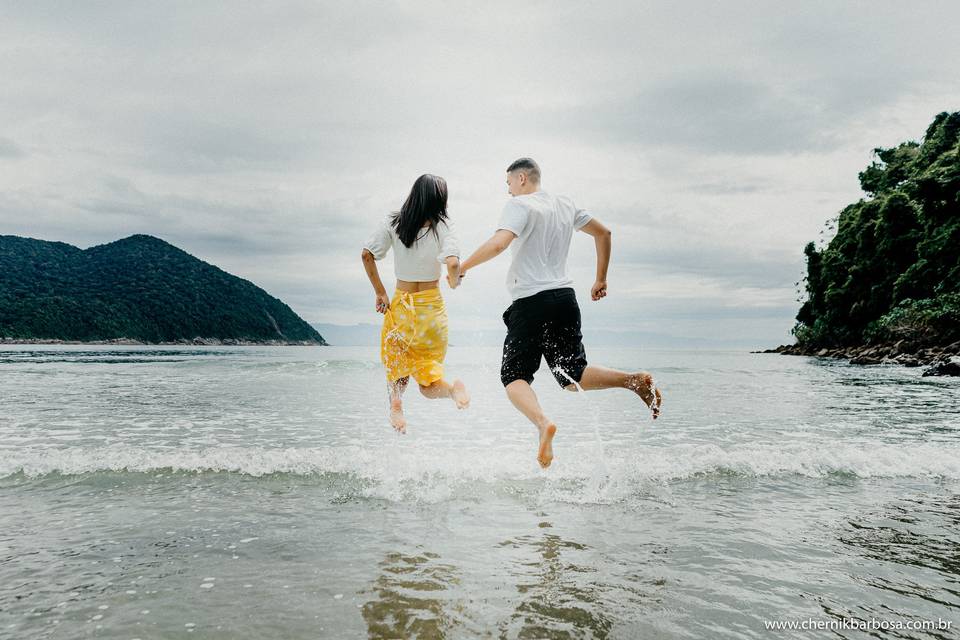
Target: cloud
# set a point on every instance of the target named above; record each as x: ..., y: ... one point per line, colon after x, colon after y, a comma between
x: 714, y: 139
x: 713, y: 110
x: 10, y: 149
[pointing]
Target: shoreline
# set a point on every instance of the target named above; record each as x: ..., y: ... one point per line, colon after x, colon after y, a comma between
x: 940, y: 360
x: 195, y: 342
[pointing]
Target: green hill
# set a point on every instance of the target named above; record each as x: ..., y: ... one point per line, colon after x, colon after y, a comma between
x: 892, y: 271
x: 140, y: 288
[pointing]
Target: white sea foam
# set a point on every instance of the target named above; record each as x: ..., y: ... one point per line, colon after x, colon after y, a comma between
x: 433, y: 472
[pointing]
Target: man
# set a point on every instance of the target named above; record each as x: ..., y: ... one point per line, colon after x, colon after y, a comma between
x: 544, y: 318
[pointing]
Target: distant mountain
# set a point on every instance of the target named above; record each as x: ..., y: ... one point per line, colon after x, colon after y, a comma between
x: 139, y: 288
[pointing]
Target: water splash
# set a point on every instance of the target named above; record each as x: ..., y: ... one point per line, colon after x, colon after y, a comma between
x: 599, y: 481
x: 433, y: 474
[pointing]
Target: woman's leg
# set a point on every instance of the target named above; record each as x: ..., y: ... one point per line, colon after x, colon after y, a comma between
x: 396, y: 389
x: 438, y: 389
x: 443, y: 389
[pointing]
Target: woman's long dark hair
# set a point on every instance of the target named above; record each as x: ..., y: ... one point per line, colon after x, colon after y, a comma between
x: 425, y: 206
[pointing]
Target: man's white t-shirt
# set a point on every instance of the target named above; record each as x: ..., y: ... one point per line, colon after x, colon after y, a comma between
x: 544, y: 225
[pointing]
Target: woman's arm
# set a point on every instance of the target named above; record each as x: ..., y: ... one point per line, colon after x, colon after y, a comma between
x: 453, y: 271
x: 370, y: 266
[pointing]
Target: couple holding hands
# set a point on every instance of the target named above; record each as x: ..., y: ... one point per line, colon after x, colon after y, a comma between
x: 542, y: 321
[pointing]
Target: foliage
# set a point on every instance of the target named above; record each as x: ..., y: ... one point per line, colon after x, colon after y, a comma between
x: 931, y: 319
x: 139, y: 287
x: 895, y: 258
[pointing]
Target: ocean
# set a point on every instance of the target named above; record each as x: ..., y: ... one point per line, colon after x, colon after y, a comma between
x: 259, y: 492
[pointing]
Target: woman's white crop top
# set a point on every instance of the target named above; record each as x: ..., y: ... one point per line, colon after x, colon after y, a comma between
x: 421, y: 261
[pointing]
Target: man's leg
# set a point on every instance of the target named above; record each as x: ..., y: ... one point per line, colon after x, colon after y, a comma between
x: 525, y: 400
x: 521, y: 359
x: 396, y: 389
x: 562, y: 343
x: 596, y: 377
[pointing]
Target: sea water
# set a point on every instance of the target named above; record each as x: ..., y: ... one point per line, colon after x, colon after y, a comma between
x: 260, y: 493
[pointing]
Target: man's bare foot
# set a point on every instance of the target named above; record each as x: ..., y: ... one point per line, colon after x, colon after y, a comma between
x: 545, y: 453
x: 642, y: 384
x: 396, y: 416
x: 460, y: 395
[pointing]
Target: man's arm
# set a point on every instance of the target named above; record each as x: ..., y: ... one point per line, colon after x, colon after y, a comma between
x: 602, y: 237
x: 488, y: 250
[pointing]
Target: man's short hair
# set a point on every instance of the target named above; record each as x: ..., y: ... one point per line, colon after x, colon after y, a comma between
x: 528, y: 166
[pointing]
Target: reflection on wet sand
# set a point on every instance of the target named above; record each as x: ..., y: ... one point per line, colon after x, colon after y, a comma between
x: 558, y: 597
x: 411, y: 598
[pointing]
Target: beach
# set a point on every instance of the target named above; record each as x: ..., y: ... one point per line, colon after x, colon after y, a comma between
x: 227, y: 492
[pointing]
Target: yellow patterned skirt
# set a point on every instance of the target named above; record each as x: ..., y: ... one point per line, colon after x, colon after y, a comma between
x: 413, y: 341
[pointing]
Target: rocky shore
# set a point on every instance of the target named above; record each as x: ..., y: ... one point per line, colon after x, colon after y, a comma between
x: 226, y: 342
x: 940, y: 361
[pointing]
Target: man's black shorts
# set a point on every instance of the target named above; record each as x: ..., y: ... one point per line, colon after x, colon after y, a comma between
x: 548, y: 324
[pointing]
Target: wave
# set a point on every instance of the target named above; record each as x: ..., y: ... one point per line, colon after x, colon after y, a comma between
x: 432, y: 474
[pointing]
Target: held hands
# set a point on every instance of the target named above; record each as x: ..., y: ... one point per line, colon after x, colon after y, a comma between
x: 598, y: 290
x: 455, y: 282
x: 383, y: 302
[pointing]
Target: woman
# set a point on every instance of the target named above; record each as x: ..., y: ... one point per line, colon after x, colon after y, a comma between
x: 413, y: 341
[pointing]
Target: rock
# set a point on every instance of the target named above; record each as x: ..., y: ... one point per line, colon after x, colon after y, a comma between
x: 822, y: 352
x: 865, y: 359
x: 947, y: 367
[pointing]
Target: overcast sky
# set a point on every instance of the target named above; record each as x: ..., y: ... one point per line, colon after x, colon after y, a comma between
x: 715, y: 139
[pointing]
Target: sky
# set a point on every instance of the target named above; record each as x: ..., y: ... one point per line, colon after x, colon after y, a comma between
x: 714, y: 139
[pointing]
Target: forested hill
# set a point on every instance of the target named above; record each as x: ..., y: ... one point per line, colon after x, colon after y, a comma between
x: 892, y: 271
x: 140, y: 288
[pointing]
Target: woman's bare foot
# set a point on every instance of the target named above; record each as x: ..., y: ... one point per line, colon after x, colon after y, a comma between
x: 396, y: 416
x: 460, y: 395
x: 642, y: 384
x: 545, y: 452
